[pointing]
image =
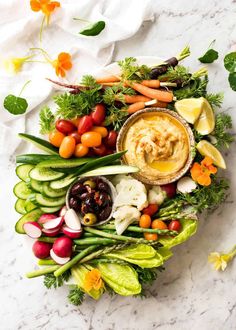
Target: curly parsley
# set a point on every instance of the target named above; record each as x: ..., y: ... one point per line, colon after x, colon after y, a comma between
x: 46, y: 120
x: 223, y: 138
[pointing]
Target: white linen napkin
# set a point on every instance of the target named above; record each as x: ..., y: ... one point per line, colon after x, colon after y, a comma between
x: 19, y: 30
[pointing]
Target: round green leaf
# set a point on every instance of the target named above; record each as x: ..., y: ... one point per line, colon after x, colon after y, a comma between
x: 209, y: 57
x: 230, y: 62
x: 15, y: 105
x: 93, y: 29
x: 232, y: 80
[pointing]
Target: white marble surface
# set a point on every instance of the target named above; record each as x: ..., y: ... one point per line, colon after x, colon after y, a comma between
x: 188, y: 294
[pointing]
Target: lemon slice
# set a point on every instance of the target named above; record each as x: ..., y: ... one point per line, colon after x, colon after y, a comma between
x: 206, y: 122
x: 190, y: 109
x: 207, y: 149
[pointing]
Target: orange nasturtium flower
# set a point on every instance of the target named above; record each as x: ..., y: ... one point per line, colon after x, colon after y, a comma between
x: 46, y: 6
x: 62, y: 64
x: 93, y: 280
x: 201, y: 173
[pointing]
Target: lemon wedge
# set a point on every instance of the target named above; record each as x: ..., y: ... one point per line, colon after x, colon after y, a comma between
x: 190, y: 109
x: 205, y: 148
x: 206, y: 121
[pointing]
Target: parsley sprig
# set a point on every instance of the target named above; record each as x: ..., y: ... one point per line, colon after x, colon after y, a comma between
x: 130, y: 70
x: 223, y: 138
x: 51, y: 281
x: 76, y: 296
x: 46, y: 120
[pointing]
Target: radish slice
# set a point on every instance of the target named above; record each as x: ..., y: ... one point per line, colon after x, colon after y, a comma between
x: 51, y: 232
x: 186, y: 185
x: 32, y: 229
x: 72, y: 220
x: 58, y: 260
x: 63, y: 211
x: 54, y: 223
x: 46, y: 217
x: 71, y: 232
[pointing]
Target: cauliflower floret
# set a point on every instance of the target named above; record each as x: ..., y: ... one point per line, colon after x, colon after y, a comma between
x: 131, y: 192
x: 124, y: 216
x: 117, y: 178
x: 156, y: 195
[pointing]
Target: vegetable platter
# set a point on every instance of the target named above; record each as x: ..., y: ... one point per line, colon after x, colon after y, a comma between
x: 89, y: 201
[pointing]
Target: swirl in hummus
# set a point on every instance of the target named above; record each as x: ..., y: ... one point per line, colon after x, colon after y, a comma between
x: 158, y: 144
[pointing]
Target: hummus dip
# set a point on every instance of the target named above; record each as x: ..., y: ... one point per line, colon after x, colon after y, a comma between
x: 158, y: 144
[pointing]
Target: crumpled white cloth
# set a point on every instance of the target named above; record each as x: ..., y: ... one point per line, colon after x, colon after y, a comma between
x: 19, y: 30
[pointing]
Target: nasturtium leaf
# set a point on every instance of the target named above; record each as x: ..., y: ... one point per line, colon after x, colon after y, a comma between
x: 230, y: 62
x: 15, y: 104
x: 232, y: 80
x: 93, y: 29
x: 209, y: 57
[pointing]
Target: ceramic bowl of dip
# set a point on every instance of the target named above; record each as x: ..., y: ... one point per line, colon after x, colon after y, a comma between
x: 159, y: 142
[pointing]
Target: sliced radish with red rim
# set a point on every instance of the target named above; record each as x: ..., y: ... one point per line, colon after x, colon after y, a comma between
x: 72, y: 220
x: 58, y: 260
x: 51, y: 232
x: 54, y: 223
x: 63, y: 211
x: 32, y: 229
x: 71, y: 232
x: 46, y: 217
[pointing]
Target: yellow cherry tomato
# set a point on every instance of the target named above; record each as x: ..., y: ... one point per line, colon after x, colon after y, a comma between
x: 151, y: 237
x: 159, y: 224
x: 91, y: 139
x: 100, y: 129
x: 67, y: 147
x: 80, y: 150
x: 56, y: 138
x: 145, y: 221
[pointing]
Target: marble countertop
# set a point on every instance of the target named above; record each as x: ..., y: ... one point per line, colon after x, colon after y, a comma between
x: 188, y: 294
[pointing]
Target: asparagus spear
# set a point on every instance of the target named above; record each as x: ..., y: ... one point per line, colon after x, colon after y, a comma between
x: 143, y: 230
x: 43, y: 271
x: 94, y: 240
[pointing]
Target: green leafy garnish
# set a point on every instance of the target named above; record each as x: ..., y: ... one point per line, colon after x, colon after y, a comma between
x: 230, y: 62
x: 177, y: 73
x: 196, y: 88
x: 232, y: 80
x: 130, y: 70
x: 215, y: 100
x: 93, y: 29
x: 46, y: 120
x: 209, y: 57
x: 116, y: 93
x: 223, y: 138
x: 116, y: 117
x: 76, y: 296
x: 51, y: 281
x: 15, y: 104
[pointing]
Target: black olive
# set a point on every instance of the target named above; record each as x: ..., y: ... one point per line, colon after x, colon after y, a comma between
x: 85, y: 208
x: 85, y: 196
x: 104, y: 214
x: 103, y: 186
x: 105, y: 199
x: 77, y: 188
x: 73, y: 203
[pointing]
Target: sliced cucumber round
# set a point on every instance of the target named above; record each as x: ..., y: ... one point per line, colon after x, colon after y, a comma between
x: 48, y: 191
x: 22, y: 171
x: 21, y: 190
x: 50, y: 209
x: 30, y: 216
x: 36, y: 185
x: 48, y: 201
x: 20, y: 206
x: 62, y: 183
x: 29, y: 206
x: 45, y: 174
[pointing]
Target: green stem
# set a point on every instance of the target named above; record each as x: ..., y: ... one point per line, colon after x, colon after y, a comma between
x: 27, y: 82
x: 45, y: 54
x: 47, y: 239
x: 94, y: 240
x: 43, y: 271
x: 143, y: 230
x: 201, y: 72
x: 41, y: 30
x: 81, y: 19
x: 46, y: 262
x: 184, y: 53
x: 74, y: 261
x: 116, y: 237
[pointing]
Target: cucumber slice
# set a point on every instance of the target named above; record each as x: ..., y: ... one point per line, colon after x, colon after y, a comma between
x: 40, y: 143
x: 21, y: 190
x: 45, y: 174
x: 50, y: 209
x: 64, y: 163
x: 36, y: 185
x: 20, y: 206
x: 112, y: 170
x: 35, y: 158
x: 62, y: 183
x: 29, y: 206
x: 48, y: 201
x: 22, y: 171
x: 48, y: 191
x: 30, y: 216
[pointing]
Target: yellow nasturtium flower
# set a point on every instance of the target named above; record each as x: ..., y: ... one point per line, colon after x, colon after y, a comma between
x: 14, y: 64
x: 220, y: 261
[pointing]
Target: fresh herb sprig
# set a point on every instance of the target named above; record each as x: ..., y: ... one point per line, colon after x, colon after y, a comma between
x: 46, y: 120
x: 130, y: 70
x: 51, y: 281
x: 76, y: 296
x: 210, y: 55
x: 223, y: 138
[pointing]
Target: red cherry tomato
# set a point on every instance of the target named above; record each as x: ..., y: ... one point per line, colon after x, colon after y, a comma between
x: 110, y: 139
x: 85, y: 124
x: 100, y: 151
x: 65, y: 126
x: 98, y: 115
x: 150, y: 209
x: 76, y: 136
x: 174, y: 225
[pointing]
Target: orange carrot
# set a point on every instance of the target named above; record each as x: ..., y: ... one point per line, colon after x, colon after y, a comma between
x: 135, y: 107
x: 135, y: 98
x: 160, y: 104
x: 153, y: 83
x: 110, y: 84
x: 108, y: 79
x: 163, y: 96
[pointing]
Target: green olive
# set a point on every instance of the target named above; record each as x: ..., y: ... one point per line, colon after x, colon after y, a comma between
x: 90, y: 183
x: 90, y: 219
